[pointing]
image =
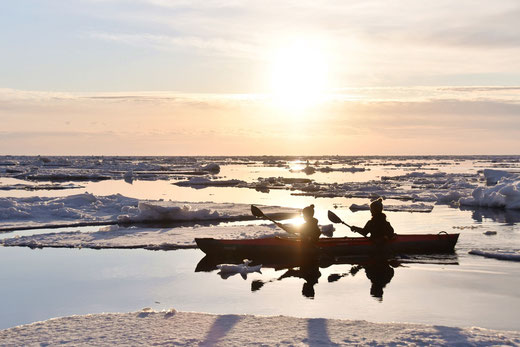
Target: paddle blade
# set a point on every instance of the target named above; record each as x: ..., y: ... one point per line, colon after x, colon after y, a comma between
x: 256, y: 212
x: 334, y: 277
x: 333, y: 218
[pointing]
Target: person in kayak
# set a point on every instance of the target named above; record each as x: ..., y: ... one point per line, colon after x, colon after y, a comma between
x: 378, y: 227
x: 309, y: 231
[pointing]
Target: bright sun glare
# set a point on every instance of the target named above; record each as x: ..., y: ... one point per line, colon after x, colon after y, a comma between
x: 299, y: 74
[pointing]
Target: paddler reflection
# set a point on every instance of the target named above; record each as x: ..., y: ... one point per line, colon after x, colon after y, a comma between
x: 379, y: 271
x: 310, y: 272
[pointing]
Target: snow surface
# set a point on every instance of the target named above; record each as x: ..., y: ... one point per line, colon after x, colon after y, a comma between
x: 171, y: 327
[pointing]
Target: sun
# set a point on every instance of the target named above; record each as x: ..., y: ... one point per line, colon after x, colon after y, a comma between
x: 299, y: 74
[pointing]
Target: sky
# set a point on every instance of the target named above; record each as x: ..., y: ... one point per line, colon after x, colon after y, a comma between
x: 228, y: 77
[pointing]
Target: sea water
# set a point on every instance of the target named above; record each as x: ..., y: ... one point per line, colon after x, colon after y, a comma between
x: 461, y: 290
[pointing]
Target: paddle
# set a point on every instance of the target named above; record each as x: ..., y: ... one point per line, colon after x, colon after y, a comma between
x: 259, y: 214
x: 335, y: 219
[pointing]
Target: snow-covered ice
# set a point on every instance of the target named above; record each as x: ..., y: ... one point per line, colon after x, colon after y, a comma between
x: 170, y: 327
x: 513, y: 255
x: 494, y: 176
x: 505, y: 194
x: 417, y: 207
x: 90, y: 209
x: 147, y: 238
x: 73, y: 209
x: 228, y: 270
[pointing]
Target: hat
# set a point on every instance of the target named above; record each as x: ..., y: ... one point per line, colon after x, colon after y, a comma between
x: 308, y: 211
x: 377, y: 205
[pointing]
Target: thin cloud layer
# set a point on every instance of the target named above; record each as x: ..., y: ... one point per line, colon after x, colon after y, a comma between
x: 184, y: 124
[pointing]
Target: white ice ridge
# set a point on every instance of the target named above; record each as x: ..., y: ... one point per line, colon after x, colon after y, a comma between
x: 505, y: 194
x: 497, y: 254
x: 89, y: 209
x: 494, y: 176
x: 173, y: 328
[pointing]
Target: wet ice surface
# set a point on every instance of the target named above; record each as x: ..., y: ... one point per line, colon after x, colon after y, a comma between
x: 470, y: 195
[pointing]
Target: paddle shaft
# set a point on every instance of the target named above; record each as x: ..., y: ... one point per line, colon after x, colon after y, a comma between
x: 335, y: 219
x: 258, y: 213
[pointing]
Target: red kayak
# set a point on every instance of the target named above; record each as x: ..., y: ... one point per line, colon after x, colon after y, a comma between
x: 337, y: 246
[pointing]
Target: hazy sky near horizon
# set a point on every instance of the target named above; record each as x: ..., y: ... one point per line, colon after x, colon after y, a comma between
x: 271, y: 77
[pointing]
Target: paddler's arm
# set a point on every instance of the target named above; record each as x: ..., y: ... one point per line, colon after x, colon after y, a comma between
x: 362, y: 231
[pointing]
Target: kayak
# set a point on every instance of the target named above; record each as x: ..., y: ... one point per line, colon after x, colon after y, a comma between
x: 336, y: 246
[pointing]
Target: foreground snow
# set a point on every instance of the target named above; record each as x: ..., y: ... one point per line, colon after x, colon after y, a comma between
x: 188, y: 329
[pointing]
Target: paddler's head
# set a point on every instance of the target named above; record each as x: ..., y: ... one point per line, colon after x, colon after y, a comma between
x: 308, y: 212
x: 376, y: 207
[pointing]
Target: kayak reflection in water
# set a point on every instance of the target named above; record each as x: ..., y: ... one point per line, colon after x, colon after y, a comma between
x: 378, y: 227
x: 378, y: 270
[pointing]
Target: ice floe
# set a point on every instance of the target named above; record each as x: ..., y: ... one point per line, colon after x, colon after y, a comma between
x: 228, y: 270
x: 513, y: 255
x: 78, y: 209
x: 89, y: 209
x: 418, y: 207
x: 33, y: 187
x: 494, y: 176
x: 503, y: 195
x: 163, y: 237
x: 171, y: 327
x: 147, y: 238
x: 201, y: 182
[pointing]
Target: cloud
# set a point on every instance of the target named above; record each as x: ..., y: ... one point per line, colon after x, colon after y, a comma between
x: 176, y: 123
x: 211, y: 46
